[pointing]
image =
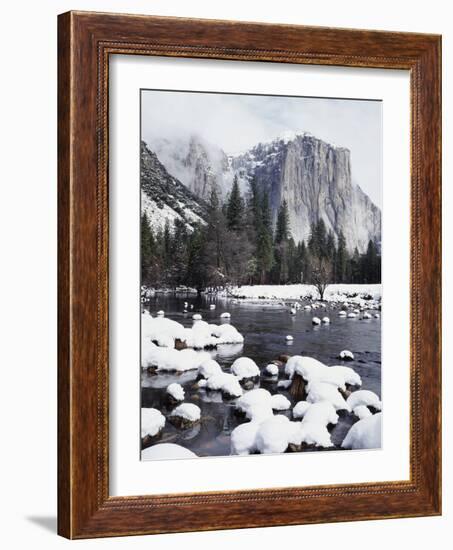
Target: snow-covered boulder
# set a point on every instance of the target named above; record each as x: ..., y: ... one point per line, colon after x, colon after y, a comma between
x: 273, y: 435
x: 271, y: 369
x: 364, y: 397
x: 165, y: 451
x: 300, y: 409
x: 365, y: 434
x: 197, y: 317
x: 252, y: 399
x: 212, y: 307
x: 161, y: 330
x: 209, y: 368
x: 243, y: 438
x: 321, y: 391
x: 346, y: 355
x: 279, y: 402
x: 342, y: 313
x: 153, y: 421
x: 367, y: 315
x: 225, y: 382
x: 316, y: 321
x: 245, y: 368
x: 165, y: 359
x: 326, y: 320
x: 289, y: 338
x: 322, y: 412
x: 175, y: 391
x: 303, y: 365
x: 161, y: 313
x: 352, y: 315
x: 225, y: 315
x: 185, y: 415
x: 362, y: 411
x: 350, y: 376
x: 227, y: 334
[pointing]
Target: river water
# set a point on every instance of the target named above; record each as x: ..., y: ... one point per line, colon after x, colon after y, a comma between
x: 264, y: 327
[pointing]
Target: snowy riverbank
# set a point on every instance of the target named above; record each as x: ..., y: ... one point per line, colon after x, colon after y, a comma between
x: 333, y: 293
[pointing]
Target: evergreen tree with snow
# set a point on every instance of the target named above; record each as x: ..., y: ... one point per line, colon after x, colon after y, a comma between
x: 341, y: 260
x: 147, y: 249
x: 264, y: 246
x: 235, y: 208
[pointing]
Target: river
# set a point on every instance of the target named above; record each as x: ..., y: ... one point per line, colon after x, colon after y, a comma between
x: 264, y: 327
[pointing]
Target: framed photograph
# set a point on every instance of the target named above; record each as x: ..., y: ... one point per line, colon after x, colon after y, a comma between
x: 249, y: 275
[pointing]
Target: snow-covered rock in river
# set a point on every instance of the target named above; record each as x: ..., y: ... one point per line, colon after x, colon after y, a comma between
x: 244, y: 368
x: 365, y: 434
x: 165, y: 451
x: 364, y: 397
x: 300, y: 409
x: 225, y: 315
x: 279, y: 402
x: 252, y: 399
x: 361, y: 411
x: 326, y: 320
x: 209, y: 368
x: 346, y: 355
x: 166, y: 359
x: 175, y: 391
x: 243, y: 438
x: 225, y: 382
x: 185, y: 415
x: 321, y: 391
x: 271, y: 369
x: 152, y: 422
x: 316, y: 321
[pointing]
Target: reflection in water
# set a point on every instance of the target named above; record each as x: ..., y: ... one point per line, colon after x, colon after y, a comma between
x: 265, y: 327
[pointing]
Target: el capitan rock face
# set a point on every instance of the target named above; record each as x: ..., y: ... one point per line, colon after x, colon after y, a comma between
x: 314, y: 177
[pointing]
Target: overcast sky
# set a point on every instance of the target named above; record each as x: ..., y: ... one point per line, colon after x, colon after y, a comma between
x: 237, y: 122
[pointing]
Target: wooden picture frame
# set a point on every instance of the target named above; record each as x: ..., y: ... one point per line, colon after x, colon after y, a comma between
x: 85, y: 42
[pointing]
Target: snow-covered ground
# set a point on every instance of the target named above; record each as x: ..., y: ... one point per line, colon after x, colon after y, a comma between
x: 333, y: 293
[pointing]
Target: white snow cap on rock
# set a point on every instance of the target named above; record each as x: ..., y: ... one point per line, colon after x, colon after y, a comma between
x: 196, y: 317
x: 188, y: 411
x: 346, y: 355
x: 274, y: 434
x: 176, y: 391
x: 365, y: 434
x: 326, y: 320
x: 364, y: 397
x: 225, y: 315
x: 322, y: 412
x: 279, y: 402
x: 225, y: 382
x: 160, y: 313
x: 362, y: 411
x: 243, y: 367
x: 226, y: 334
x: 164, y: 451
x: 300, y: 409
x: 209, y: 368
x: 316, y: 321
x: 313, y: 370
x: 271, y: 369
x: 253, y: 398
x: 166, y: 359
x: 289, y: 338
x: 342, y: 313
x: 152, y: 422
x: 320, y: 391
x: 243, y: 438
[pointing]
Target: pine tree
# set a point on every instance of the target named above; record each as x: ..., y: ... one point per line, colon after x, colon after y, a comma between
x: 282, y: 235
x: 147, y: 249
x: 235, y: 208
x: 264, y: 247
x: 341, y: 260
x: 282, y: 228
